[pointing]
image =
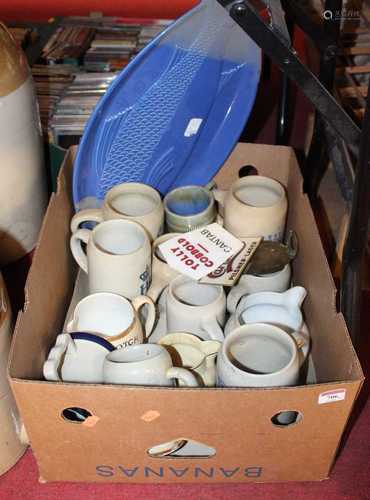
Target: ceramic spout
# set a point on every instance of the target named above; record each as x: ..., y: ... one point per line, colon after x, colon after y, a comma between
x: 295, y: 296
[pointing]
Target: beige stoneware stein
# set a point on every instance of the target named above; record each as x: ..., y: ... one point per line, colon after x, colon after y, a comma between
x: 254, y: 206
x: 117, y: 258
x: 133, y: 201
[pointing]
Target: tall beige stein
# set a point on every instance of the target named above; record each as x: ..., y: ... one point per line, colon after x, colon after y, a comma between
x: 254, y: 206
x: 117, y: 258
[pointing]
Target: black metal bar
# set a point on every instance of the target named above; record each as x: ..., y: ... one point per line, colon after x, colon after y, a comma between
x: 282, y: 124
x: 342, y: 164
x: 355, y: 245
x: 260, y: 31
x: 278, y: 23
x: 317, y: 159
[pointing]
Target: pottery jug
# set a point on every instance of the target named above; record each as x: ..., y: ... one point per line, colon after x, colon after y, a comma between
x: 193, y: 353
x: 280, y: 309
x: 23, y: 187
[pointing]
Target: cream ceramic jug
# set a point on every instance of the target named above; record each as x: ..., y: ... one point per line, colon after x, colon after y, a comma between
x: 193, y: 353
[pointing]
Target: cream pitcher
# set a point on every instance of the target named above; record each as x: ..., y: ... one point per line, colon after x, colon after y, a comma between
x: 193, y: 353
x: 280, y: 309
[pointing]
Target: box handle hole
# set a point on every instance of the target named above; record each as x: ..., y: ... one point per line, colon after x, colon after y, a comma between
x: 286, y: 418
x: 75, y: 415
x: 248, y: 170
x: 181, y: 448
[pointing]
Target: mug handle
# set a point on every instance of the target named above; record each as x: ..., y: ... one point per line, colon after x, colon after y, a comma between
x: 52, y: 364
x: 156, y: 288
x: 220, y: 220
x: 186, y: 377
x: 212, y: 328
x: 70, y: 326
x: 138, y: 303
x: 233, y: 299
x: 87, y: 215
x: 81, y: 235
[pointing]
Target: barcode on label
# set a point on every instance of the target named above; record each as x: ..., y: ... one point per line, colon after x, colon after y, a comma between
x: 332, y: 396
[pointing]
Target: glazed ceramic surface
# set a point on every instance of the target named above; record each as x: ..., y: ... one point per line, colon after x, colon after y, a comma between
x: 280, y: 309
x: 132, y: 201
x: 117, y: 258
x: 249, y: 283
x: 258, y: 355
x: 77, y: 357
x: 196, y: 308
x: 162, y: 273
x: 188, y: 208
x: 23, y: 188
x: 114, y: 318
x: 254, y: 206
x: 191, y: 352
x: 145, y: 364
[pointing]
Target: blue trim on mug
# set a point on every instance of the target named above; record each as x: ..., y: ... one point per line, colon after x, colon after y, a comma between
x: 93, y: 338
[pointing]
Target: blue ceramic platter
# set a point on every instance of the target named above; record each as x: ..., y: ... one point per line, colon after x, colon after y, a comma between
x: 174, y: 114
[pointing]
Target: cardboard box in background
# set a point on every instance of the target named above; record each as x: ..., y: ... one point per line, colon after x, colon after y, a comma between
x: 127, y: 421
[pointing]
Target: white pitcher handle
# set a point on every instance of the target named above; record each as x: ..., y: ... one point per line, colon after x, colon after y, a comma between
x: 138, y: 303
x: 81, y: 235
x: 87, y: 215
x: 186, y: 377
x: 52, y: 364
x: 213, y: 329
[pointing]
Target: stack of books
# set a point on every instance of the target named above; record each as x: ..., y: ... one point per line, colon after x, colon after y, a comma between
x: 82, y: 58
x: 74, y: 108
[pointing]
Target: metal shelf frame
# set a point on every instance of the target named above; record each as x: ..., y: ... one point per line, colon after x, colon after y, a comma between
x: 335, y: 133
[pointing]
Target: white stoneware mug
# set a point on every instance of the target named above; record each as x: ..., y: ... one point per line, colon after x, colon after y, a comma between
x: 254, y: 206
x: 145, y: 364
x: 162, y: 273
x: 279, y: 309
x: 114, y: 318
x: 258, y: 355
x: 188, y: 208
x: 117, y: 258
x: 77, y: 357
x: 196, y: 308
x: 191, y: 352
x: 133, y: 201
x: 250, y: 283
